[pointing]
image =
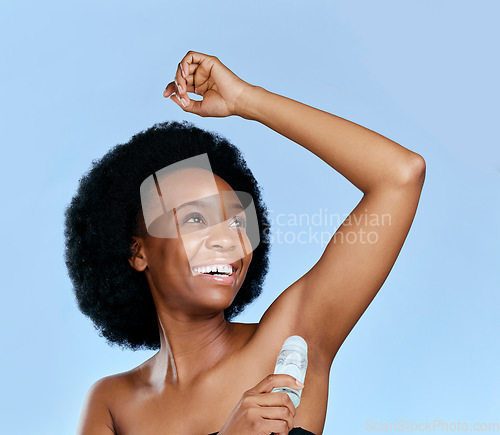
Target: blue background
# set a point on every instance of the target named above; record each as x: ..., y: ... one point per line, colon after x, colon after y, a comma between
x: 79, y: 77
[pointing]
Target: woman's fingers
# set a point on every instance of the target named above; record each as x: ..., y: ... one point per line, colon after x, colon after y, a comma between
x: 187, y: 68
x: 185, y: 76
x: 206, y: 76
x: 186, y: 104
x: 169, y: 90
x: 201, y: 88
x: 192, y: 107
x: 264, y: 396
x: 180, y: 83
x: 276, y: 380
x: 180, y: 91
x: 180, y: 101
x: 274, y: 399
x: 283, y: 418
x: 189, y: 72
x: 192, y: 58
x: 189, y: 75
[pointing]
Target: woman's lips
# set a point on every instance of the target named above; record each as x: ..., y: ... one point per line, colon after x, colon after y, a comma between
x: 218, y: 279
x: 223, y: 280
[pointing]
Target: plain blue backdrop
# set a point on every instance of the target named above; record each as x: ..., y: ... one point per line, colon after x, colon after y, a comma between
x: 80, y: 77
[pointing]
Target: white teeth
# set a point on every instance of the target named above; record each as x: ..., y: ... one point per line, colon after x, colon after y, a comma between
x: 216, y: 268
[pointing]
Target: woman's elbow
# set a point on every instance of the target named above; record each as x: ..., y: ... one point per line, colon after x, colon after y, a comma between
x: 413, y: 171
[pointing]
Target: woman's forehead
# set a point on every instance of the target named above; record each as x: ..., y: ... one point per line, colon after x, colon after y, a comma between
x: 190, y: 184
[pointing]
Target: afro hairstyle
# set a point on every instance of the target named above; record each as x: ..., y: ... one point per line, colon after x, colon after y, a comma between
x: 106, y: 212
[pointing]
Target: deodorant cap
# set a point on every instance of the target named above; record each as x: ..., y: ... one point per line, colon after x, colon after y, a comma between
x: 295, y: 342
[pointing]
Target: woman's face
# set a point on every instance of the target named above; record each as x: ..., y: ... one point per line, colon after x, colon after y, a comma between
x: 200, y: 263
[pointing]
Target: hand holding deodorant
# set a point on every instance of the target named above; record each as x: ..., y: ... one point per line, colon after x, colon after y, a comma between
x: 292, y: 360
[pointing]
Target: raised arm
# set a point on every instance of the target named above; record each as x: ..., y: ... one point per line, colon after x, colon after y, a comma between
x: 337, y: 290
x: 333, y: 295
x: 367, y: 159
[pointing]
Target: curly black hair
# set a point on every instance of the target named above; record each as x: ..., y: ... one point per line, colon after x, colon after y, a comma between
x: 106, y: 212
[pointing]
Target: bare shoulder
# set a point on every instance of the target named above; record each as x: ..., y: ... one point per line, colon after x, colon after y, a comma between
x: 112, y: 386
x: 97, y: 410
x: 96, y: 416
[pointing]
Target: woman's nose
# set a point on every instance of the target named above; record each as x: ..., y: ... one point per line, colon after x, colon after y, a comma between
x: 221, y: 238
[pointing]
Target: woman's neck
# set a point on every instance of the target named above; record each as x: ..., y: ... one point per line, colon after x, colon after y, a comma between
x: 190, y: 348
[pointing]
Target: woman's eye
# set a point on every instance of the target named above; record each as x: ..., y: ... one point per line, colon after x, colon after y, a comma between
x: 195, y: 219
x: 240, y: 222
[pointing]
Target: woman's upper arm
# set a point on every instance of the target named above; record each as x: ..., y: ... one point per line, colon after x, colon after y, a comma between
x: 96, y: 418
x: 324, y: 304
x: 356, y: 263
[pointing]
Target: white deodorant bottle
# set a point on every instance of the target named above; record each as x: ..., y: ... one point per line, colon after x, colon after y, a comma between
x: 292, y: 360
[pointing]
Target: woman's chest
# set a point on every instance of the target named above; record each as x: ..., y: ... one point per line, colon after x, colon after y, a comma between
x: 204, y: 409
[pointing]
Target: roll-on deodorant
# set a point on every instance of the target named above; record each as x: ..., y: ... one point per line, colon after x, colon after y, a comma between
x: 292, y: 360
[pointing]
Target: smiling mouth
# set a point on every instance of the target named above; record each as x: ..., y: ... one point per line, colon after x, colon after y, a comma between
x: 222, y: 270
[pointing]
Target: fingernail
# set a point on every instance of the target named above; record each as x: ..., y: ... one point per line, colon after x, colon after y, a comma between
x: 182, y: 71
x: 300, y: 384
x: 179, y: 87
x: 182, y: 101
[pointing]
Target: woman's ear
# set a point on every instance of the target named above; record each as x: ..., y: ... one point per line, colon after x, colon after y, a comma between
x: 138, y: 259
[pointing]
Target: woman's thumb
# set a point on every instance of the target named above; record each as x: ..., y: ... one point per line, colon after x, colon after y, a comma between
x: 193, y: 106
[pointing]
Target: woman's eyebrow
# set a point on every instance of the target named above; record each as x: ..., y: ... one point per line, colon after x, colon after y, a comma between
x: 238, y: 206
x: 197, y: 203
x: 205, y: 205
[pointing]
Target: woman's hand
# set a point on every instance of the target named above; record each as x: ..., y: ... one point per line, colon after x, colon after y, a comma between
x: 223, y: 92
x: 260, y: 411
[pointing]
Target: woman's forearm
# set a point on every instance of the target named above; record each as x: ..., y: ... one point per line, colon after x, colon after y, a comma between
x: 367, y: 159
